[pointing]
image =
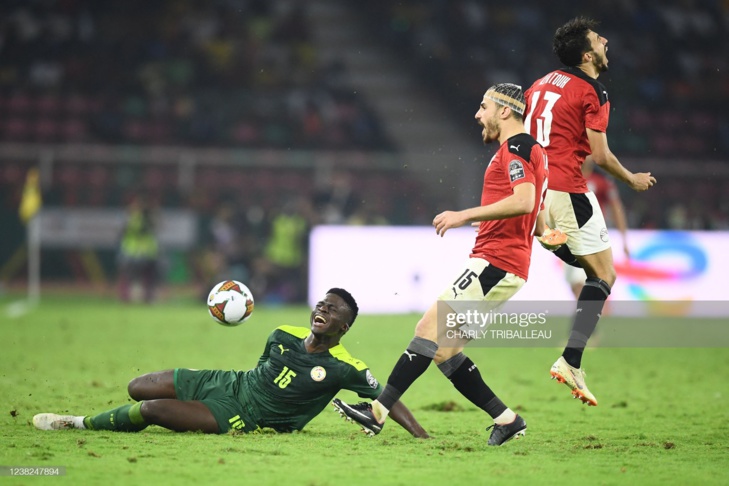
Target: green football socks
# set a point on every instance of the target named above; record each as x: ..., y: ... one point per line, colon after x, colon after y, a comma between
x: 127, y: 418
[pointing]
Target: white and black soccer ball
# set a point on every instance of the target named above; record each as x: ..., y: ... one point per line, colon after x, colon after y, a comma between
x: 230, y: 303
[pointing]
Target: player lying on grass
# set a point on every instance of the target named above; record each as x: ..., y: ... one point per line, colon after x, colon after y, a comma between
x: 299, y: 373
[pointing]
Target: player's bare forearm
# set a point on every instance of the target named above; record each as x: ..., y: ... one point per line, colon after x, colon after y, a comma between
x: 612, y: 166
x: 519, y: 203
x: 402, y: 415
x: 601, y: 154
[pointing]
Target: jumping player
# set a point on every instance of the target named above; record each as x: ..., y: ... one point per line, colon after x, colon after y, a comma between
x: 567, y: 113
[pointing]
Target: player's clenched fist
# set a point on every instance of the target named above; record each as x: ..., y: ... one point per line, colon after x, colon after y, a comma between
x: 642, y: 181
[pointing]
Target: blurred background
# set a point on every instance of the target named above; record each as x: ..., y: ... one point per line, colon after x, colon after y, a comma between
x: 181, y: 142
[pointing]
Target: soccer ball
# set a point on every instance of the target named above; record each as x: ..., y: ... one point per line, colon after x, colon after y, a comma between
x: 230, y: 303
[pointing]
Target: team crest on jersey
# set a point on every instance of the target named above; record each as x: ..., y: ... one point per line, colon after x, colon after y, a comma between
x: 371, y: 380
x: 516, y: 170
x: 318, y: 373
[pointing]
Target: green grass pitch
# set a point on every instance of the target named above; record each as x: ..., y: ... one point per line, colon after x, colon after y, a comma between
x: 662, y: 419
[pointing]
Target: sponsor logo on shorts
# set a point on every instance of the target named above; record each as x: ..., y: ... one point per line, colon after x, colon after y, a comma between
x: 516, y: 170
x: 604, y: 235
x: 318, y: 373
x: 371, y: 380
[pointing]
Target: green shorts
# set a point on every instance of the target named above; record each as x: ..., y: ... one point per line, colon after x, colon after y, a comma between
x: 216, y: 390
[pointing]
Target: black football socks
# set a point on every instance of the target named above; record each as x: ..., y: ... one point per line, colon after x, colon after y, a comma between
x: 412, y: 363
x: 589, y: 307
x: 465, y: 376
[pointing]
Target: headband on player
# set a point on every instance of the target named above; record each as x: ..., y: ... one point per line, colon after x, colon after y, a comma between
x: 507, y: 94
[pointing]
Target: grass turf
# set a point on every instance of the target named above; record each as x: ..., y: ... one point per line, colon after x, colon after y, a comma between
x: 661, y: 419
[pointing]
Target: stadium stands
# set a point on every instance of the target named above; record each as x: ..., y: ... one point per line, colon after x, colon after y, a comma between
x: 666, y: 80
x: 183, y: 73
x: 223, y: 75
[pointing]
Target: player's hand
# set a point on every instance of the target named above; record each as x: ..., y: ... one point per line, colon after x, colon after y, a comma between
x: 642, y: 181
x: 447, y: 220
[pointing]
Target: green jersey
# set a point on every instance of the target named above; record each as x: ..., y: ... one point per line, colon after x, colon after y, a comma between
x: 290, y: 386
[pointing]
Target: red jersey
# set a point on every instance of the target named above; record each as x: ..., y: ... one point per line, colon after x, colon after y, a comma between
x: 560, y: 108
x: 507, y: 243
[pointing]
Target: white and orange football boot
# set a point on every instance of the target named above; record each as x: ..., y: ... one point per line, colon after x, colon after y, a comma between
x: 573, y: 378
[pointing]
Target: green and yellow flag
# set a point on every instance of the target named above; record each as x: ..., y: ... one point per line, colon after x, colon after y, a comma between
x: 31, y: 202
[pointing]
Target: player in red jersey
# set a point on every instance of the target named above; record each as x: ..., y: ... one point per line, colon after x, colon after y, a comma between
x: 514, y: 186
x: 567, y: 112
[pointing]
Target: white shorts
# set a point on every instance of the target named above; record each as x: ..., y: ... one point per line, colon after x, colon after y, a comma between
x: 580, y: 218
x: 482, y: 281
x: 480, y: 287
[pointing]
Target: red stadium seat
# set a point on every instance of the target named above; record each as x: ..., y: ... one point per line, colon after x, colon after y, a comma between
x: 16, y: 130
x: 45, y: 130
x: 74, y: 130
x: 19, y: 103
x: 47, y: 105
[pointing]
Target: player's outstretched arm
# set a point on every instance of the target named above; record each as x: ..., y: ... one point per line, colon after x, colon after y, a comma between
x: 402, y: 415
x: 519, y: 203
x: 601, y: 154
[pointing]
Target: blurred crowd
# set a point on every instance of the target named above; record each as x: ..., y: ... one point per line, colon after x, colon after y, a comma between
x: 245, y: 74
x: 238, y: 73
x: 668, y: 81
x: 253, y: 223
x: 267, y: 247
x: 668, y: 78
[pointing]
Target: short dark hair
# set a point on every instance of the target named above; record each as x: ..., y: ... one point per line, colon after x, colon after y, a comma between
x: 348, y: 299
x: 570, y: 41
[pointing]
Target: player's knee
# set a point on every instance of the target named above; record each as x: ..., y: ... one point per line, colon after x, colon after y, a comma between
x: 610, y: 275
x: 444, y: 354
x: 426, y: 329
x: 150, y: 411
x: 134, y: 388
x: 606, y: 273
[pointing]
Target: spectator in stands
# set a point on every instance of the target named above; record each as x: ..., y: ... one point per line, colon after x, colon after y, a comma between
x: 286, y: 252
x: 138, y: 254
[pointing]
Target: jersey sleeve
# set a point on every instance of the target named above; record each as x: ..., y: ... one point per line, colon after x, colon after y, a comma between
x: 362, y: 383
x: 596, y: 114
x: 266, y: 351
x: 520, y: 171
x: 520, y: 167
